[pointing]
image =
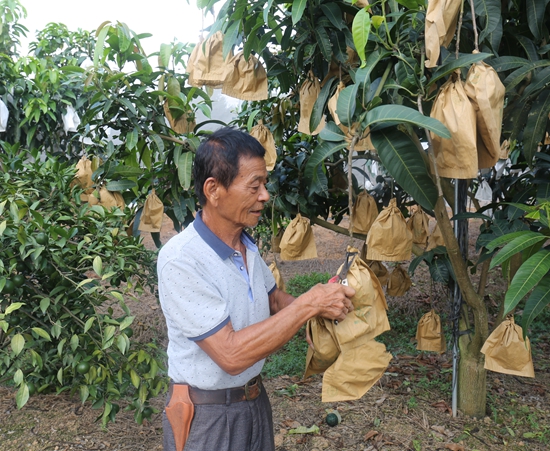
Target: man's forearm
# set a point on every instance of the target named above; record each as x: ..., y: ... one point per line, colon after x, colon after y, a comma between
x: 278, y: 300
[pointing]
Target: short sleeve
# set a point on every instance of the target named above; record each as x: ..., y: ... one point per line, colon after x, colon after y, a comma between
x: 268, y: 277
x: 190, y: 301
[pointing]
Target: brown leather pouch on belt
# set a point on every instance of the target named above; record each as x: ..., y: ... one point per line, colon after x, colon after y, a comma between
x: 180, y: 411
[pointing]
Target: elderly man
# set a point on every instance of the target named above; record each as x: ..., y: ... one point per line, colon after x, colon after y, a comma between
x: 223, y: 310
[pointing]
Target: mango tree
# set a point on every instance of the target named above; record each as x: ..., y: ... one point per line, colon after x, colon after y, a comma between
x: 377, y: 51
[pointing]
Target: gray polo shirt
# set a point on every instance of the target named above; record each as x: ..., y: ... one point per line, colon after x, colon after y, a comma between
x: 203, y: 284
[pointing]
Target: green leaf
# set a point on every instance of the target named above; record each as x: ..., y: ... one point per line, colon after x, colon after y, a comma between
x: 490, y: 13
x: 298, y: 8
x: 345, y: 107
x: 401, y: 158
x: 165, y: 52
x: 98, y: 265
x: 536, y: 125
x: 323, y: 41
x: 334, y: 14
x: 124, y: 171
x: 89, y: 323
x: 132, y: 139
x: 332, y: 133
x: 504, y: 239
x: 399, y: 114
x: 321, y: 152
x: 505, y: 63
x: 230, y: 36
x: 42, y: 333
x: 535, y: 16
x: 84, y: 393
x: 439, y: 271
x: 100, y: 43
x: 13, y: 307
x: 120, y: 185
x: 462, y: 61
x: 22, y: 396
x: 305, y: 430
x: 128, y: 105
x: 361, y: 30
x: 320, y: 104
x: 536, y: 303
x: 17, y: 343
x: 126, y: 322
x: 516, y: 77
x: 528, y: 275
x: 159, y: 143
x: 135, y: 378
x: 516, y: 245
x: 185, y: 166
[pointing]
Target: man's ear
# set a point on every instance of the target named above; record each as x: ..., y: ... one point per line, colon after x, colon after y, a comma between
x: 211, y: 190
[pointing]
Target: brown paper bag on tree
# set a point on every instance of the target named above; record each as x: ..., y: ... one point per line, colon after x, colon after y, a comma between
x: 245, y: 80
x: 298, y: 242
x: 83, y: 177
x: 486, y: 92
x: 358, y: 367
x: 265, y: 137
x: 455, y: 157
x: 309, y: 92
x: 180, y: 125
x: 399, y: 282
x: 419, y: 226
x: 325, y: 349
x: 277, y: 275
x: 380, y: 271
x: 106, y: 198
x: 389, y: 239
x: 206, y: 66
x: 152, y: 214
x: 364, y: 212
x: 506, y: 351
x: 429, y: 333
x: 441, y: 22
x: 435, y: 239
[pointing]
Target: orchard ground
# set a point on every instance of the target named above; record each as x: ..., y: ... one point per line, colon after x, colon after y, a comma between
x: 408, y: 409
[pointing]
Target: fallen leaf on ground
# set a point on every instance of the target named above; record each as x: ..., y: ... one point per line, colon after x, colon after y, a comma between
x: 454, y: 447
x: 305, y: 430
x: 370, y: 435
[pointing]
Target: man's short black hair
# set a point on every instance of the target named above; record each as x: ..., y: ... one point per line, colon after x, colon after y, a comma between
x: 219, y: 156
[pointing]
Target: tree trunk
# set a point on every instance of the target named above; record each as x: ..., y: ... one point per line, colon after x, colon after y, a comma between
x: 472, y: 380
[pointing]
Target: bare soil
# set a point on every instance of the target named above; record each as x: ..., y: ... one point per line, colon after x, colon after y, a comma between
x: 408, y: 409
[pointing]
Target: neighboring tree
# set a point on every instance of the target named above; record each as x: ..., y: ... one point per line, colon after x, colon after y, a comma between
x: 388, y: 96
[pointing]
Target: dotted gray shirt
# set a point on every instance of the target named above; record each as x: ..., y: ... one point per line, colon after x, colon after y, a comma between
x: 202, y: 286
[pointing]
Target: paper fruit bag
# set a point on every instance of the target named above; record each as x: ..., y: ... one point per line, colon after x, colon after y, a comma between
x: 435, y: 239
x: 326, y: 350
x: 419, y: 226
x: 265, y: 137
x: 309, y: 92
x: 364, y: 213
x: 298, y: 242
x: 429, y: 333
x: 486, y: 92
x: 441, y: 22
x: 277, y: 275
x: 399, y: 282
x: 152, y: 215
x: 455, y: 157
x: 506, y: 351
x: 206, y: 64
x: 380, y: 270
x: 245, y: 80
x: 389, y: 239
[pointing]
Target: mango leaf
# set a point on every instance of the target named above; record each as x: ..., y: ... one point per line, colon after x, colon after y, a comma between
x: 505, y: 63
x: 400, y: 113
x: 132, y: 139
x: 124, y: 171
x: 516, y: 77
x: 320, y: 103
x: 462, y: 61
x: 334, y: 14
x: 535, y: 16
x: 517, y: 245
x: 98, y: 265
x: 361, y: 30
x: 504, y: 239
x: 539, y: 82
x: 185, y: 164
x: 165, y: 52
x: 321, y: 152
x: 439, y: 271
x: 332, y: 133
x: 230, y: 36
x: 120, y: 185
x: 490, y: 13
x: 528, y: 275
x: 536, y: 125
x: 536, y: 303
x: 323, y: 42
x: 298, y: 8
x: 400, y: 157
x: 347, y: 101
x: 100, y: 43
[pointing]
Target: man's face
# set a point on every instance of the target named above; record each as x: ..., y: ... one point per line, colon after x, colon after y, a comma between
x: 242, y: 203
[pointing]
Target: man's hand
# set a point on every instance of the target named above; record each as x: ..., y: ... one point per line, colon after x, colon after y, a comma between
x: 332, y: 301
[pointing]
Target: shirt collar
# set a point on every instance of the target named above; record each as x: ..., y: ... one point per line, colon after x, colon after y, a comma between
x: 223, y: 250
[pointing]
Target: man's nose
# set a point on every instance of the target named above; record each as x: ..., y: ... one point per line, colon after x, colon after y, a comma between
x: 264, y: 194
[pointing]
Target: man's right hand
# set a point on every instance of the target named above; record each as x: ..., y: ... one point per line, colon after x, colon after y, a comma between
x: 332, y: 300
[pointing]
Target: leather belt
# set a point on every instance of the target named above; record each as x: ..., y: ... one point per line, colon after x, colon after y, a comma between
x: 251, y: 390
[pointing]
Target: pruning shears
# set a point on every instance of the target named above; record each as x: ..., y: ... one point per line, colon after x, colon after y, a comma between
x: 342, y: 276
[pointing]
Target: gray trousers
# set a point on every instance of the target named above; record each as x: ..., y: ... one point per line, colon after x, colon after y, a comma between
x: 240, y: 426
